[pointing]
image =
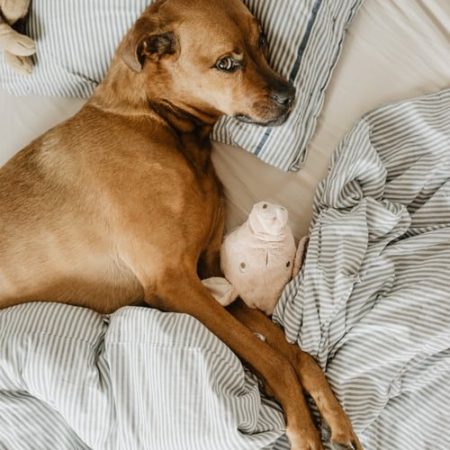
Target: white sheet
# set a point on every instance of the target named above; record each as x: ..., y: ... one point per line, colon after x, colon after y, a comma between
x: 395, y: 49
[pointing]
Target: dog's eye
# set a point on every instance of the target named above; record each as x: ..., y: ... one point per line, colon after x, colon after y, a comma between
x: 227, y: 64
x: 262, y: 42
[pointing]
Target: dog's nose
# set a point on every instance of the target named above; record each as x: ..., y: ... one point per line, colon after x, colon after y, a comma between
x: 284, y: 97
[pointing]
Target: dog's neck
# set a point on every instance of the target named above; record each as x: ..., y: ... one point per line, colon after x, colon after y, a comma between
x: 183, y: 119
x: 122, y: 92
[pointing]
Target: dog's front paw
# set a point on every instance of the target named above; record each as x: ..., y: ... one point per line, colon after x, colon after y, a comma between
x: 305, y: 440
x: 342, y: 439
x: 351, y: 446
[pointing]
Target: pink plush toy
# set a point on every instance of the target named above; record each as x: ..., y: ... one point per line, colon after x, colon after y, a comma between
x: 258, y: 259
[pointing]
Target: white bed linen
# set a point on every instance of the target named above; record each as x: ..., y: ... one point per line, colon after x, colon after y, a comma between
x: 395, y: 49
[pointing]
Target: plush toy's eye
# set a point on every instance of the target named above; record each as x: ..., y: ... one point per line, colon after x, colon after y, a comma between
x: 265, y: 205
x: 288, y: 264
x: 242, y: 266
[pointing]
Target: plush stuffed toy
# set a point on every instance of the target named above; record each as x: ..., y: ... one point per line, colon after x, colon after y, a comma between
x: 17, y: 47
x: 258, y: 259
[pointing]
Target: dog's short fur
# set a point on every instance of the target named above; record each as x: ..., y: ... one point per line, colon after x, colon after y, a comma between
x: 121, y: 204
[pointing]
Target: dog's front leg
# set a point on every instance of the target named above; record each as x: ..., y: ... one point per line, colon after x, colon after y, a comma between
x: 310, y: 374
x: 184, y: 292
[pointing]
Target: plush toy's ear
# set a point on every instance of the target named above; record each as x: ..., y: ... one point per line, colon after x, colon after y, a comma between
x: 147, y: 42
x: 221, y: 289
x: 300, y: 255
x: 14, y: 10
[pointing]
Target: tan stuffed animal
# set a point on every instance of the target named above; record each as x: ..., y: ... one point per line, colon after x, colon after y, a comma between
x: 17, y: 47
x: 258, y: 259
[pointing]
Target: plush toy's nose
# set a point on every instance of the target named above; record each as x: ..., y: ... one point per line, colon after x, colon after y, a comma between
x: 282, y: 215
x: 268, y: 218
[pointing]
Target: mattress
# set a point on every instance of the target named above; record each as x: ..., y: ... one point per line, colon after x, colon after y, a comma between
x: 394, y: 50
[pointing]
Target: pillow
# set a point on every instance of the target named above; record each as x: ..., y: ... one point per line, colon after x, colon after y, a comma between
x: 77, y: 38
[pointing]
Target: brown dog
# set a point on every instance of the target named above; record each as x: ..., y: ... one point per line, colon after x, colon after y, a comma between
x: 121, y: 204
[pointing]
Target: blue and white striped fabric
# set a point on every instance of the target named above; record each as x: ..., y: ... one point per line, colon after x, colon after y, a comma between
x: 77, y: 38
x: 75, y: 41
x: 141, y: 380
x: 372, y: 304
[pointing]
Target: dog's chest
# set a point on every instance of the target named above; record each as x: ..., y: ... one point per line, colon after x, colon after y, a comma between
x: 206, y: 203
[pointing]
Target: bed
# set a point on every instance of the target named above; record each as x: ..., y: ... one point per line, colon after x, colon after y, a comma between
x: 394, y: 51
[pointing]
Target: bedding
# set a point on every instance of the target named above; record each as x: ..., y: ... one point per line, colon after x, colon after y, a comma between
x: 77, y: 39
x: 371, y: 304
x: 140, y: 379
x: 394, y: 50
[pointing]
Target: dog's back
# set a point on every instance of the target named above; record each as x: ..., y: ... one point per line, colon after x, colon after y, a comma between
x: 66, y: 201
x: 55, y: 241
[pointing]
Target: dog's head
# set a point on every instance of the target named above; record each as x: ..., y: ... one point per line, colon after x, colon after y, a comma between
x: 207, y: 57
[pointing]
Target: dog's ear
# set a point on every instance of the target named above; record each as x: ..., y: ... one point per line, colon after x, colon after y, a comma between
x: 145, y: 42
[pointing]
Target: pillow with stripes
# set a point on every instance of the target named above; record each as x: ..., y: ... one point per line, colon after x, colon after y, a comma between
x: 76, y: 40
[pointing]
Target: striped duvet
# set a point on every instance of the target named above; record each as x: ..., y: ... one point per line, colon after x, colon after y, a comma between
x: 372, y: 304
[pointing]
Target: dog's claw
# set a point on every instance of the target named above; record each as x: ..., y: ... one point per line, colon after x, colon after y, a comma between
x: 344, y: 447
x: 351, y: 446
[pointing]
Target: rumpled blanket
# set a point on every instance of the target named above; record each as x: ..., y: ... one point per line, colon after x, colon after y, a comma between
x: 373, y: 301
x: 371, y: 304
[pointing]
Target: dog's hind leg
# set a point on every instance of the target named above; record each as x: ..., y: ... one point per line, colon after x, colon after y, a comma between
x: 310, y: 374
x: 186, y: 294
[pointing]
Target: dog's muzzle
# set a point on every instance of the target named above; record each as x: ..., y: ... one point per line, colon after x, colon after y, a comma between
x: 282, y: 101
